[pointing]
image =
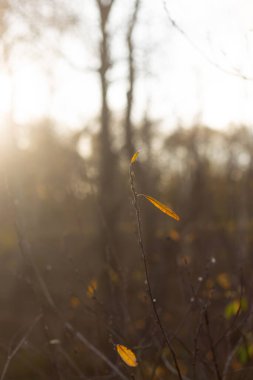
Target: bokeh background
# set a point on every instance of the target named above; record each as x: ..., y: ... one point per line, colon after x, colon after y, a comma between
x: 83, y: 85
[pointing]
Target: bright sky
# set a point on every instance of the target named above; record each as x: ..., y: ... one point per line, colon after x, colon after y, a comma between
x: 185, y: 83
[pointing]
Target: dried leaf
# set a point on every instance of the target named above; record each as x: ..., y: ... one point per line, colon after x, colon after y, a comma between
x: 127, y: 355
x: 162, y: 207
x: 134, y: 158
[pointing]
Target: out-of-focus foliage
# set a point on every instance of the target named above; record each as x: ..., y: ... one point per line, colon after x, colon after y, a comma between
x: 235, y: 306
x: 68, y: 246
x: 52, y: 193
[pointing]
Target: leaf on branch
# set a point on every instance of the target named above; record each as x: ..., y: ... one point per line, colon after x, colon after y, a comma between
x: 235, y: 306
x: 134, y: 157
x: 162, y: 207
x: 127, y: 355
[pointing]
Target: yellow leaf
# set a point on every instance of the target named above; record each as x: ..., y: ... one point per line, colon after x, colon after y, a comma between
x: 91, y: 288
x: 127, y: 355
x: 162, y: 207
x: 235, y: 306
x: 134, y: 158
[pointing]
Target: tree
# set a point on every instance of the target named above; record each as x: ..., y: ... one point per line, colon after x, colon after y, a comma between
x: 129, y: 135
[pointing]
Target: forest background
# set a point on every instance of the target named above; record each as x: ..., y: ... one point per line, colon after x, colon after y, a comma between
x: 73, y: 284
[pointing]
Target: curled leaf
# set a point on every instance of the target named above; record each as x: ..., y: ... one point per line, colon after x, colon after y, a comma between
x: 127, y: 355
x: 162, y: 207
x: 134, y: 157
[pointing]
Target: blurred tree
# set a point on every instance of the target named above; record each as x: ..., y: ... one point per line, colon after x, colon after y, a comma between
x: 129, y: 135
x: 107, y: 159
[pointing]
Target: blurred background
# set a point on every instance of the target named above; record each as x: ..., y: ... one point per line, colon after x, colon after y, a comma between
x: 83, y: 85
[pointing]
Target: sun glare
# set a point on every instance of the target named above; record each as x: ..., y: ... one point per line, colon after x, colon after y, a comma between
x: 30, y: 94
x: 184, y: 84
x: 5, y: 95
x: 24, y: 95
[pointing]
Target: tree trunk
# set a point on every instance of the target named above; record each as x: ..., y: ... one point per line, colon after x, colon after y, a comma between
x: 129, y: 144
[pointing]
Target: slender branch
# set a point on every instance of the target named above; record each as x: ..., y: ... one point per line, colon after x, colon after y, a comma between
x: 19, y: 345
x: 215, y: 362
x: 229, y: 360
x: 229, y: 329
x: 156, y: 364
x: 28, y: 260
x: 149, y: 288
x: 71, y: 363
x: 96, y: 351
x: 171, y: 368
x: 232, y: 72
x: 131, y: 80
x: 196, y: 344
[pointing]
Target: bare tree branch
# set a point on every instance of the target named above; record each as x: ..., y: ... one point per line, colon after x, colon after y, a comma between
x: 131, y: 80
x: 13, y: 353
x: 149, y: 288
x: 175, y: 25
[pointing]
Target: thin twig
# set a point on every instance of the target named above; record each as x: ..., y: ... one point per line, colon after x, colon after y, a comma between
x: 71, y: 362
x: 229, y: 329
x: 95, y: 350
x: 215, y: 362
x: 157, y: 360
x: 196, y: 47
x: 149, y: 288
x: 28, y: 259
x: 12, y: 353
x: 196, y: 346
x: 171, y: 368
x: 229, y: 360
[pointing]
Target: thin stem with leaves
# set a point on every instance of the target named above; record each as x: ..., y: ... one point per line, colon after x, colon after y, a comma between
x: 145, y: 263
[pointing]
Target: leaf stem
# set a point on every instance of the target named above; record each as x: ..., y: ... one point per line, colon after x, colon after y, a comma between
x: 144, y: 258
